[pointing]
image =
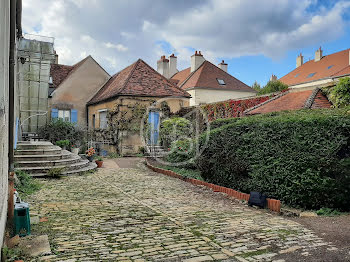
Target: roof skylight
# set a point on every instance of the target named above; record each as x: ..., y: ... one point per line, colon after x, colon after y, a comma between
x: 330, y: 67
x: 311, y: 75
x: 297, y: 75
x: 221, y: 82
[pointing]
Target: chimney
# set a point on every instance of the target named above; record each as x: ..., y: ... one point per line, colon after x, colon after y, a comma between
x: 196, y: 60
x: 163, y: 66
x: 172, y: 65
x: 318, y: 54
x: 273, y: 78
x: 223, y: 66
x: 56, y: 58
x: 300, y: 60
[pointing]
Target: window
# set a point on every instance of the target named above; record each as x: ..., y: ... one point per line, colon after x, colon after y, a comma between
x: 64, y: 115
x: 221, y: 82
x: 311, y: 75
x: 330, y: 67
x: 103, y: 118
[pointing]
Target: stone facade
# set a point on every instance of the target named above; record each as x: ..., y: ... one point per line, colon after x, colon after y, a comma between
x: 4, y: 70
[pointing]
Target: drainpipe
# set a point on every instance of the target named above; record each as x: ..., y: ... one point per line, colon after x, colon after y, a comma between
x: 12, y: 82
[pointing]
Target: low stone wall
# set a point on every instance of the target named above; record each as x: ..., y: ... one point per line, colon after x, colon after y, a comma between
x: 272, y: 204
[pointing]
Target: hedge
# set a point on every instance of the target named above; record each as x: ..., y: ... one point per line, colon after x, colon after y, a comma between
x: 300, y: 157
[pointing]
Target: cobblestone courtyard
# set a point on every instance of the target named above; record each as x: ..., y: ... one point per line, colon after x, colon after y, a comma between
x: 134, y: 214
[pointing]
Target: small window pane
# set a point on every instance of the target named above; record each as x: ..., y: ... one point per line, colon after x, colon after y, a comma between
x: 103, y: 119
x: 221, y: 81
x: 311, y: 75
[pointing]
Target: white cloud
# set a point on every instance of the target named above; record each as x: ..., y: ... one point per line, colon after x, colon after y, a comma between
x: 119, y: 47
x: 117, y: 33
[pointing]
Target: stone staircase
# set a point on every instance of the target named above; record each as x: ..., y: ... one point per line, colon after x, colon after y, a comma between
x: 38, y: 157
x: 156, y: 151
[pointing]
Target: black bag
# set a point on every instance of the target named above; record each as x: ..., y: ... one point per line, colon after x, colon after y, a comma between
x: 257, y: 199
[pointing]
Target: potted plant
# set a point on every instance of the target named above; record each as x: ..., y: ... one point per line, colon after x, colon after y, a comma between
x: 99, y: 161
x: 75, y: 149
x: 63, y: 144
x: 90, y: 154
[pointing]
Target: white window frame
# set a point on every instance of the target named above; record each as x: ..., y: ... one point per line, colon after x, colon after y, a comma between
x: 103, y: 124
x: 64, y: 115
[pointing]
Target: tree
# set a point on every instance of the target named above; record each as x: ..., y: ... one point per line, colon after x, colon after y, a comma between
x: 272, y: 87
x: 340, y: 94
x: 256, y: 86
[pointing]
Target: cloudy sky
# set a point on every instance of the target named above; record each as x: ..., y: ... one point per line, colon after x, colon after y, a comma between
x: 255, y: 37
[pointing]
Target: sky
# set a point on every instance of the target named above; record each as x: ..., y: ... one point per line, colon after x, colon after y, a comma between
x: 256, y: 38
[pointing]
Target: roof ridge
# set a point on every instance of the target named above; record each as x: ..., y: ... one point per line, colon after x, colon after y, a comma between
x: 192, y: 73
x: 266, y: 102
x: 175, y: 86
x: 130, y: 74
x: 311, y: 98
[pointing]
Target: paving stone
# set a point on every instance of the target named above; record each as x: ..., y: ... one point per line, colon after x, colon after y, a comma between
x: 135, y: 214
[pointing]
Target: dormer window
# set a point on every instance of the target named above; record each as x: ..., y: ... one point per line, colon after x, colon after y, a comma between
x: 221, y: 81
x: 311, y: 75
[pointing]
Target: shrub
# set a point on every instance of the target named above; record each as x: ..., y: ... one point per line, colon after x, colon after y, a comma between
x: 300, y: 157
x: 25, y: 184
x: 55, y: 172
x: 182, y: 153
x: 272, y: 87
x: 340, y: 94
x: 62, y: 143
x: 173, y: 129
x: 59, y: 130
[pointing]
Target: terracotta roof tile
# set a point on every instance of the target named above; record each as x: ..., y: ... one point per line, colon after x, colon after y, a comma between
x: 59, y: 73
x: 292, y: 101
x: 207, y: 75
x: 329, y: 66
x: 181, y: 76
x: 138, y: 79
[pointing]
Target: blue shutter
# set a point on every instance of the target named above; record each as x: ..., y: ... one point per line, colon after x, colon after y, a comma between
x: 74, y: 116
x: 54, y: 113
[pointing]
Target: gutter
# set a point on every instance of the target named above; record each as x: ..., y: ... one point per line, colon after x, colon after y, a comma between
x: 12, y: 63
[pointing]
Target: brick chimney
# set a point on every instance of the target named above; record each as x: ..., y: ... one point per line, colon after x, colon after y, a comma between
x: 318, y: 54
x: 163, y: 66
x: 172, y: 65
x: 196, y: 60
x: 223, y: 66
x: 300, y: 60
x: 273, y: 77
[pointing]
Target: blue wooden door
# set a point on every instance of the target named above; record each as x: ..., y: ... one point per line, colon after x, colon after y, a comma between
x: 153, y: 121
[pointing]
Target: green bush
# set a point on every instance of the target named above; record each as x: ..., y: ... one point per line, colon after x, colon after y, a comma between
x: 340, y: 94
x: 174, y: 129
x: 222, y: 122
x: 182, y: 153
x: 59, y: 130
x: 25, y: 184
x: 62, y: 143
x: 325, y: 211
x: 55, y: 172
x: 300, y: 157
x: 272, y: 87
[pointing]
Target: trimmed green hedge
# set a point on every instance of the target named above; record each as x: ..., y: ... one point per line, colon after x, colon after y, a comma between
x: 300, y: 157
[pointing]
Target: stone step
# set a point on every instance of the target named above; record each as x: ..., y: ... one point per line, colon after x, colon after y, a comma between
x: 45, y: 169
x: 91, y: 166
x: 54, y: 150
x: 42, y: 157
x: 71, y: 159
x: 26, y: 145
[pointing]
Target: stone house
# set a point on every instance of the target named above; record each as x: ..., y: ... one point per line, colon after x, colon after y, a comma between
x: 71, y: 87
x: 322, y: 71
x: 135, y: 94
x: 204, y: 81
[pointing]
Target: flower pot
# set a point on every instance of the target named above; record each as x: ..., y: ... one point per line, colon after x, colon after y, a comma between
x: 75, y: 150
x: 99, y: 163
